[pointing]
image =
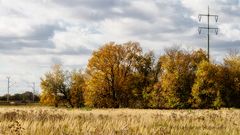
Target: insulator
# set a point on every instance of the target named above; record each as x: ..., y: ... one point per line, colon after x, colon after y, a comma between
x: 216, y: 31
x: 199, y: 18
x: 199, y: 30
x: 216, y: 18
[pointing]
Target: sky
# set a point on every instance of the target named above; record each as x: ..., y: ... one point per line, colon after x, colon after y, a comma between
x: 35, y: 34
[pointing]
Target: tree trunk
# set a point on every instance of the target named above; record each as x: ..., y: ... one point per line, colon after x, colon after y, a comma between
x: 56, y: 104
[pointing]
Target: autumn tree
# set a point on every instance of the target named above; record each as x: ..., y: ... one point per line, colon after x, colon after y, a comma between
x: 231, y: 79
x: 77, y: 88
x: 46, y: 98
x: 145, y: 76
x: 55, y: 87
x: 121, y: 75
x: 110, y: 75
x: 207, y: 88
x: 155, y: 97
x: 177, y: 77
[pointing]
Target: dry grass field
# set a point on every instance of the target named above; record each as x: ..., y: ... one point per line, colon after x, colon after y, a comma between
x: 52, y: 121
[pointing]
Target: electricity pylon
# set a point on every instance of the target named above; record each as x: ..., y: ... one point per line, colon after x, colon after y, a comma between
x: 208, y: 28
x: 33, y: 88
x: 8, y: 87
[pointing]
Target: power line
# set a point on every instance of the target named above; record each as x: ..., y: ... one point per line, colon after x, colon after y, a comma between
x: 208, y: 28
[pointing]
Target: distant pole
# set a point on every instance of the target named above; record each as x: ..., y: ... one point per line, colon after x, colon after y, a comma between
x: 8, y: 87
x: 33, y: 91
x: 208, y: 35
x: 208, y: 28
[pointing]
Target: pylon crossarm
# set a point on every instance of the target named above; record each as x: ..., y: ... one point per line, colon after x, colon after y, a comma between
x: 208, y: 15
x: 208, y: 28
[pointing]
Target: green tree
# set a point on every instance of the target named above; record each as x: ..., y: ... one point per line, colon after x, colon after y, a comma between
x: 177, y: 74
x: 206, y: 90
x: 145, y: 76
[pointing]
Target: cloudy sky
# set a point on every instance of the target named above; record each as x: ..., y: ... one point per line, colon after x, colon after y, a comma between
x: 35, y: 34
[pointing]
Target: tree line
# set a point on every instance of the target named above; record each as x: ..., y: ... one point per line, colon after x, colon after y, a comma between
x: 122, y: 75
x: 21, y: 97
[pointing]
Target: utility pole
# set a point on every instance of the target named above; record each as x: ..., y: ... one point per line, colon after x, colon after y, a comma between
x: 8, y: 87
x: 208, y: 28
x: 33, y: 87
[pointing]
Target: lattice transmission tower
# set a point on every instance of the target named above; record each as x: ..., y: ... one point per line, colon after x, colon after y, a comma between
x: 208, y: 28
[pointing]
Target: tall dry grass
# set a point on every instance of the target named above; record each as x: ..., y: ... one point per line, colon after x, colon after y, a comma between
x: 52, y: 121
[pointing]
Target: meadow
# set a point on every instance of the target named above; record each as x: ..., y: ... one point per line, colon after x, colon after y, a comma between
x: 63, y: 121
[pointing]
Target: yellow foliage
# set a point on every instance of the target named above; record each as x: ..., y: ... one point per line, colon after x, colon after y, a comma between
x: 110, y: 71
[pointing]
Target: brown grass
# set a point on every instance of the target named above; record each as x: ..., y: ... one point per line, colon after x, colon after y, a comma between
x: 52, y: 121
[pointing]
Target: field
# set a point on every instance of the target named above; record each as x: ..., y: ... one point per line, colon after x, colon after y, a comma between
x: 52, y: 121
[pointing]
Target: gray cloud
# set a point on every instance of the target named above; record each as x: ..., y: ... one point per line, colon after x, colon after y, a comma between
x: 227, y: 2
x: 56, y: 60
x: 44, y: 32
x: 95, y: 4
x: 79, y: 51
x: 39, y: 38
x: 18, y: 44
x: 226, y: 45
